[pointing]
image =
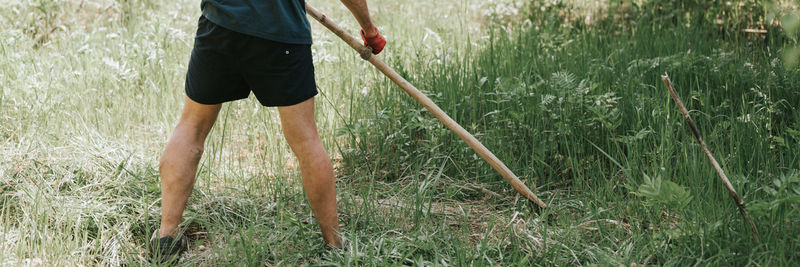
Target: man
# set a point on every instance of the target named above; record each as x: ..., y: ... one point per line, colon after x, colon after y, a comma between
x: 263, y: 46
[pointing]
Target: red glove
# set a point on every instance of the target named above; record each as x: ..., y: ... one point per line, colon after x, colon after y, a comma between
x: 377, y: 42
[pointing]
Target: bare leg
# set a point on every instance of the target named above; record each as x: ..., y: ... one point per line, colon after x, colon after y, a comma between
x: 300, y: 131
x: 179, y: 161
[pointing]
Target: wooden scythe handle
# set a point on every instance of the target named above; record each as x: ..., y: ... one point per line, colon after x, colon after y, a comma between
x: 366, y: 54
x: 731, y: 191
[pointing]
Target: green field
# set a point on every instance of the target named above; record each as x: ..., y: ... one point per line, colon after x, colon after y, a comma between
x: 567, y: 93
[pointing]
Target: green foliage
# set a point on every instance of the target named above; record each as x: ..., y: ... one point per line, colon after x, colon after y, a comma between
x: 732, y: 15
x: 658, y: 192
x: 784, y: 198
x: 576, y: 108
x: 790, y: 22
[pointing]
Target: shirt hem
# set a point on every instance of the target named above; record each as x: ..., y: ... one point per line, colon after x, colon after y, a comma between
x: 235, y: 28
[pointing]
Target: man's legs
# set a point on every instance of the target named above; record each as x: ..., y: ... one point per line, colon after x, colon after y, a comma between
x: 300, y: 131
x: 179, y: 161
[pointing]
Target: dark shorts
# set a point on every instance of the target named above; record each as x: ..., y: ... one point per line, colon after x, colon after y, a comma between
x: 226, y: 65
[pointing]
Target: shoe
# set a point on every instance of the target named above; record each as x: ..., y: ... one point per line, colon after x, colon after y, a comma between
x: 168, y: 248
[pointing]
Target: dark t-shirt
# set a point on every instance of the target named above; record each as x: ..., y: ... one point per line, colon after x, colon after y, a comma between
x: 276, y: 20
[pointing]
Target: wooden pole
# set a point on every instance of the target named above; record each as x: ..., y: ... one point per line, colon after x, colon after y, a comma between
x: 366, y: 54
x: 732, y: 192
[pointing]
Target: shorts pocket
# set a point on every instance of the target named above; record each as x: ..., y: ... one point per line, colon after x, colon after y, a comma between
x: 204, y: 27
x: 290, y: 57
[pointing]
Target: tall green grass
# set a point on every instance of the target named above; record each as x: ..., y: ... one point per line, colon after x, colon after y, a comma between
x: 581, y: 113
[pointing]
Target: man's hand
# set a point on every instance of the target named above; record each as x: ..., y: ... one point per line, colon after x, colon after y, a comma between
x: 374, y: 40
x: 369, y: 32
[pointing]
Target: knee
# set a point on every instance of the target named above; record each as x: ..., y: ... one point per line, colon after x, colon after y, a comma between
x: 177, y: 153
x: 302, y: 144
x: 313, y: 156
x: 195, y: 151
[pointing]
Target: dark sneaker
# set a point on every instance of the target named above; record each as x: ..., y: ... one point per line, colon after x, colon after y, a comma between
x: 168, y: 248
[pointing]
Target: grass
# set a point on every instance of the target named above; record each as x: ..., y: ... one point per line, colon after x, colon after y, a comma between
x: 582, y: 113
x: 92, y: 89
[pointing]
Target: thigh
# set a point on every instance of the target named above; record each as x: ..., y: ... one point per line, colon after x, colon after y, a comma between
x: 299, y: 126
x: 197, y: 119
